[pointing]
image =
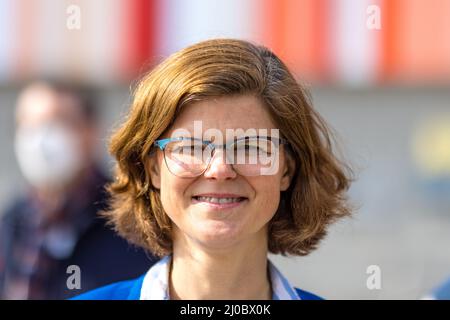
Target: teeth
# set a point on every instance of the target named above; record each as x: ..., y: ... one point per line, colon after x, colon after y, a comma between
x: 218, y: 200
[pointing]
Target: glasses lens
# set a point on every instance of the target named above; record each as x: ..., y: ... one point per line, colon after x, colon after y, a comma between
x: 253, y: 156
x: 187, y: 157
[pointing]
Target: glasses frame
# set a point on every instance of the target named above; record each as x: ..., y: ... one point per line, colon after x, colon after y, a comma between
x: 162, y: 144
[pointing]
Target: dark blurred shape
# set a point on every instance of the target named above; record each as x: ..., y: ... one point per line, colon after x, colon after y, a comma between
x: 55, y: 223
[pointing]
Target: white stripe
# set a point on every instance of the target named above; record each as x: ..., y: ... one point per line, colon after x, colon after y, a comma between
x: 186, y: 22
x: 100, y: 27
x: 89, y: 52
x: 7, y: 36
x: 49, y: 34
x: 354, y: 46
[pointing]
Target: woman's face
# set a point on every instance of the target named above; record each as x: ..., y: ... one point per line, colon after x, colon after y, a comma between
x: 207, y: 223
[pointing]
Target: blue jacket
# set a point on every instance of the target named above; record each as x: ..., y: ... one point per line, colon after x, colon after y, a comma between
x: 131, y: 290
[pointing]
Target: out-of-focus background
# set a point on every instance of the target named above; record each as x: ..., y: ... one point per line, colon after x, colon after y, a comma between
x: 379, y: 72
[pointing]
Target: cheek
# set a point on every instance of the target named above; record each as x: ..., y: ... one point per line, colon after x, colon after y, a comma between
x: 173, y: 190
x: 267, y: 196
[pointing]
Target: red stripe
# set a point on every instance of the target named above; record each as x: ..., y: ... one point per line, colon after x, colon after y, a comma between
x: 389, y: 40
x: 322, y: 57
x: 139, y: 36
x: 299, y: 32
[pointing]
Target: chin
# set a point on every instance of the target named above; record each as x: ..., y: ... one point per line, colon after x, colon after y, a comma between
x: 218, y: 235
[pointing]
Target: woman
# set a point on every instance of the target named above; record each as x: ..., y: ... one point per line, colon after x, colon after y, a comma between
x: 222, y: 160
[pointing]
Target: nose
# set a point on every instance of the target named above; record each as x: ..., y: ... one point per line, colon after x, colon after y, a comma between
x: 218, y: 168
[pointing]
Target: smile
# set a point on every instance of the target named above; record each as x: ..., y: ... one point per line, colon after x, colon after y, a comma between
x: 219, y: 202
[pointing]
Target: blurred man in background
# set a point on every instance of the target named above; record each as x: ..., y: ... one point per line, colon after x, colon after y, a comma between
x: 55, y: 224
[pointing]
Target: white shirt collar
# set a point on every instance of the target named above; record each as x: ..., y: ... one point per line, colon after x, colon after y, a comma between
x: 156, y: 280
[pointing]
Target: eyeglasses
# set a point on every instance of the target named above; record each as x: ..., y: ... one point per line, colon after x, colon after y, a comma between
x: 189, y: 157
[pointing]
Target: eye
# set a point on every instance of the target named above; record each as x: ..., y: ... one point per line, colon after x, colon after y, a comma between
x: 260, y: 146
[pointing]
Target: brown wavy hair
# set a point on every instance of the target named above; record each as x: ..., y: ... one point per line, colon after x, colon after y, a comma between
x: 220, y: 67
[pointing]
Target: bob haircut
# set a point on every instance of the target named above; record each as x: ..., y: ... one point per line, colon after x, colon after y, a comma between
x: 221, y: 67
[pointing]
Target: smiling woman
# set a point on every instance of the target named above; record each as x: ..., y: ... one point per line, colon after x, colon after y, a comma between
x: 204, y: 205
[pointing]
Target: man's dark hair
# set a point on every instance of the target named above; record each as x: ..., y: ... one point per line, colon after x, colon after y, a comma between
x: 83, y: 93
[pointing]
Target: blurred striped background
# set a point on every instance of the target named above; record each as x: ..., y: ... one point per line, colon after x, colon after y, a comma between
x: 324, y: 41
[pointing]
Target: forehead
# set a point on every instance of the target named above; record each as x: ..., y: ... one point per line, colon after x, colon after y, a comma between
x: 226, y: 112
x: 40, y: 105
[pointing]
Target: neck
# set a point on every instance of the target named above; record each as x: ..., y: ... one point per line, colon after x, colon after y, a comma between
x: 237, y: 273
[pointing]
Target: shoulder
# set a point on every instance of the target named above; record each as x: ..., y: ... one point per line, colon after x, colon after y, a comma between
x: 14, y: 217
x: 15, y: 209
x: 123, y: 290
x: 305, y: 295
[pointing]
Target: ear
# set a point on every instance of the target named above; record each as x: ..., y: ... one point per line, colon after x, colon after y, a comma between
x: 154, y: 170
x: 288, y: 171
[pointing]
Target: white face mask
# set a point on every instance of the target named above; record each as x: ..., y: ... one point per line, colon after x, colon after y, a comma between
x: 48, y: 155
